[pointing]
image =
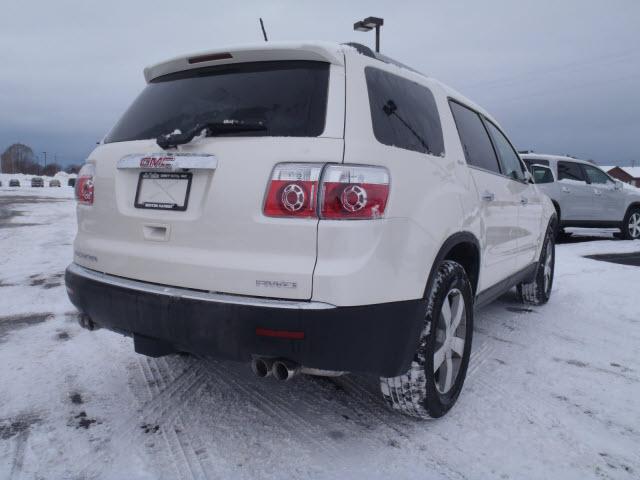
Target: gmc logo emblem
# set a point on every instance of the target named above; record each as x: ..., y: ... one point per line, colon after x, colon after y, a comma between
x: 156, y: 162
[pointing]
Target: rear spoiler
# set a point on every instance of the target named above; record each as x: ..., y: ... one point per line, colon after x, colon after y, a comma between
x: 331, y: 53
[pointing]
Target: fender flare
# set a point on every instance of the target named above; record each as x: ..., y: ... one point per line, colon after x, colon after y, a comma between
x: 454, y: 240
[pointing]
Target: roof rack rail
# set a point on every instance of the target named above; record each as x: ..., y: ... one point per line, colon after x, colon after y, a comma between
x: 364, y: 50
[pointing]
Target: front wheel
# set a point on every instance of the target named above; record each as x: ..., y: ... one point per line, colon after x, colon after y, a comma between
x: 538, y: 291
x: 631, y: 225
x: 434, y: 380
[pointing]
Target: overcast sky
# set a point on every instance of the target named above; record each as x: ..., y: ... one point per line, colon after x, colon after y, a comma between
x: 560, y: 76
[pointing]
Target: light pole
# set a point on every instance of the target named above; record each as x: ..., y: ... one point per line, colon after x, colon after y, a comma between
x: 368, y: 24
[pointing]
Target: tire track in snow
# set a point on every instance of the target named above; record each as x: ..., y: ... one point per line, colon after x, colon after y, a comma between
x: 273, y: 404
x: 176, y: 437
x: 545, y: 420
x: 367, y: 403
x: 479, y: 357
x: 164, y: 405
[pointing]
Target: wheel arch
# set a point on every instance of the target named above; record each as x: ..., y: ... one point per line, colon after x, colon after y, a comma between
x: 632, y: 205
x: 463, y: 248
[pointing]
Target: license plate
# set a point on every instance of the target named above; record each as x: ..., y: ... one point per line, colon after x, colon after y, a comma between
x: 163, y: 190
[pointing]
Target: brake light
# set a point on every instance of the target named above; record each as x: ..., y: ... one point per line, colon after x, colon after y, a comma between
x: 293, y: 190
x: 354, y: 192
x: 84, y: 184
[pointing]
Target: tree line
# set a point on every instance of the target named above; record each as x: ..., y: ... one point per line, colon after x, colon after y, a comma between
x: 19, y: 158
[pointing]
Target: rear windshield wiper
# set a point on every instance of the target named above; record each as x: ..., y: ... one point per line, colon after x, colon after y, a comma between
x: 171, y: 140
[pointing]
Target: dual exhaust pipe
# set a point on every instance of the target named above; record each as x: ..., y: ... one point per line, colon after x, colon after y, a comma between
x: 281, y: 369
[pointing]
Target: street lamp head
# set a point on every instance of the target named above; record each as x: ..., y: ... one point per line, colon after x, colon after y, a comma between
x: 373, y: 22
x: 361, y: 27
x: 369, y: 24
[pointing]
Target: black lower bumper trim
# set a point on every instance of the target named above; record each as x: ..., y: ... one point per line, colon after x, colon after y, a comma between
x: 379, y: 339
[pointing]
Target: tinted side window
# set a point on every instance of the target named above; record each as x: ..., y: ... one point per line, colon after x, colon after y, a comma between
x: 509, y: 159
x: 570, y: 171
x: 541, y: 175
x: 403, y: 113
x: 595, y: 175
x: 475, y: 139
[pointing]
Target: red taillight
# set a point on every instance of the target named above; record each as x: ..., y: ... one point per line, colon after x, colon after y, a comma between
x: 354, y: 192
x: 84, y: 184
x: 345, y: 191
x: 293, y: 190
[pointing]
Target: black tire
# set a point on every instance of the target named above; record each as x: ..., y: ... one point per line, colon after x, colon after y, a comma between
x: 538, y: 291
x: 421, y: 392
x: 627, y: 231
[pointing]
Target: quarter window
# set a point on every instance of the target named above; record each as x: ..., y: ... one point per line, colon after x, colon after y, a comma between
x: 403, y: 113
x: 474, y: 137
x: 570, y: 171
x: 509, y: 159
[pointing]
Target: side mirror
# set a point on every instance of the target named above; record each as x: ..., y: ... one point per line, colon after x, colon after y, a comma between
x: 528, y: 177
x: 619, y: 185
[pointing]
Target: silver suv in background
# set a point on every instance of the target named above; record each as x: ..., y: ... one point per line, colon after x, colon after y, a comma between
x: 585, y: 196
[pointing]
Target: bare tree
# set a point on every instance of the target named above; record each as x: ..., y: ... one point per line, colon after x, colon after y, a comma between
x: 19, y: 158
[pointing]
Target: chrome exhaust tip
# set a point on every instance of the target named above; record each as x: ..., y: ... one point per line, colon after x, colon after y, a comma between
x: 261, y: 367
x: 284, y: 370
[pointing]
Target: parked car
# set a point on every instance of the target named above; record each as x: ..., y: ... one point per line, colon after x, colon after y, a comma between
x: 332, y: 211
x: 54, y: 183
x: 14, y: 182
x: 37, y: 182
x: 71, y: 182
x: 585, y: 196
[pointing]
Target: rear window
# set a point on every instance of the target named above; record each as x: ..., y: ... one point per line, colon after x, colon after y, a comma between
x: 289, y: 97
x: 403, y: 113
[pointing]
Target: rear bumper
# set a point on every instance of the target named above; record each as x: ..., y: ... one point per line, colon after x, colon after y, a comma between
x: 380, y: 339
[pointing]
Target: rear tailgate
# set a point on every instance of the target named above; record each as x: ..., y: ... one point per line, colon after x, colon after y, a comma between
x: 221, y: 241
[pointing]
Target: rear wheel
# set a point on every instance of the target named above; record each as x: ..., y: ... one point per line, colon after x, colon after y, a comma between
x: 538, y: 291
x: 631, y: 225
x: 434, y: 380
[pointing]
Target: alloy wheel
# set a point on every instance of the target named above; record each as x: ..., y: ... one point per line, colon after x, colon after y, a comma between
x: 450, y: 341
x: 634, y: 225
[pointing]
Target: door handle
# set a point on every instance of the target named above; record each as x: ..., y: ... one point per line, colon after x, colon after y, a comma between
x: 488, y: 196
x: 597, y: 192
x: 566, y: 190
x: 524, y: 200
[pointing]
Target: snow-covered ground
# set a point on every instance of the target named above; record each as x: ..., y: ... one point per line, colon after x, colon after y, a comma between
x: 552, y: 392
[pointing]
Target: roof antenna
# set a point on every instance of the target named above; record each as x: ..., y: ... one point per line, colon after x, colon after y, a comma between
x: 264, y: 32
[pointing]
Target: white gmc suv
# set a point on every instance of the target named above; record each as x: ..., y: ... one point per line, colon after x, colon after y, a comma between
x: 308, y: 208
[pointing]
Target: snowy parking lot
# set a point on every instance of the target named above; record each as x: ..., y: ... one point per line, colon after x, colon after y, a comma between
x: 552, y: 391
